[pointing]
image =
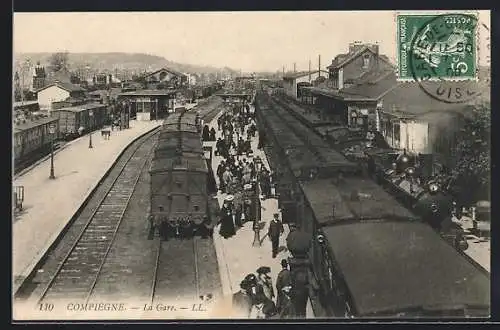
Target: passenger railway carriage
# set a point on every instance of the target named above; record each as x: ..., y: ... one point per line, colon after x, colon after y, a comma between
x: 369, y: 256
x: 182, y: 203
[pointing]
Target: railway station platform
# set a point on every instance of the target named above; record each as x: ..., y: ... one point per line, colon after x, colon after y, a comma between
x: 479, y: 247
x: 49, y: 204
x: 236, y: 255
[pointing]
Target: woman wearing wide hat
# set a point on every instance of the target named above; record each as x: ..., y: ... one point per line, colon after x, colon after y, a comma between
x: 226, y: 215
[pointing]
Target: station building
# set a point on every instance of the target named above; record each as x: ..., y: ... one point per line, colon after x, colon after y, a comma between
x: 165, y: 78
x: 150, y: 104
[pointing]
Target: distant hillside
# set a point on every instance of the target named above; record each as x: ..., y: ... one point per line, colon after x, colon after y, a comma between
x: 125, y: 61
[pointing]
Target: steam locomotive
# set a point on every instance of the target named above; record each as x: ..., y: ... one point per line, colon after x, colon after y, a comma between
x: 181, y: 194
x: 409, y: 179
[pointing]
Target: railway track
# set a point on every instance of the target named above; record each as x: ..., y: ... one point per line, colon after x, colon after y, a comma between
x: 79, y: 270
x: 292, y: 133
x: 105, y: 255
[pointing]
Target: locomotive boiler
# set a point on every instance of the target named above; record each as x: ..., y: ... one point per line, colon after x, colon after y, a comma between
x: 409, y: 180
x: 181, y: 202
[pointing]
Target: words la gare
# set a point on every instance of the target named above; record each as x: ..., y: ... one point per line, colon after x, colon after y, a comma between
x: 171, y: 308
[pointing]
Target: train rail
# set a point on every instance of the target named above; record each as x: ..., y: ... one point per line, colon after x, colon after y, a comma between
x: 78, y: 273
x: 104, y: 253
x: 291, y: 133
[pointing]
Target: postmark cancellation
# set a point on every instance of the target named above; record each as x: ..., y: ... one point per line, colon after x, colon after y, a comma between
x: 437, y: 47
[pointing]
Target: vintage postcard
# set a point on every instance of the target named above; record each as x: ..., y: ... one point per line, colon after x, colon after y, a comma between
x: 251, y: 165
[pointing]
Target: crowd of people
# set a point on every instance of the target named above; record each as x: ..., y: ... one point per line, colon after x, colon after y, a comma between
x: 239, y: 173
x: 257, y: 298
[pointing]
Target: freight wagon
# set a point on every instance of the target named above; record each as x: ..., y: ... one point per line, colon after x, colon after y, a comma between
x: 33, y: 137
x: 71, y: 119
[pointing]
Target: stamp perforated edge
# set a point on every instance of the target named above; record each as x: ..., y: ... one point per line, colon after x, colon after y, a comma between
x: 475, y: 13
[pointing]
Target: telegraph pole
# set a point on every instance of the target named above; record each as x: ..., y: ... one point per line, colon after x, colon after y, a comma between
x: 319, y: 65
x: 309, y: 69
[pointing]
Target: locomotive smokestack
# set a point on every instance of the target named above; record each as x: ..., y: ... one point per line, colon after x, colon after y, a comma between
x: 426, y: 161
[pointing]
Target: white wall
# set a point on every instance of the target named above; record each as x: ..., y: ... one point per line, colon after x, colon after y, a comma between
x: 291, y: 85
x: 51, y: 94
x: 414, y: 136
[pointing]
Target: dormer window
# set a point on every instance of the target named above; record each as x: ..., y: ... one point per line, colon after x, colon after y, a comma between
x: 366, y: 61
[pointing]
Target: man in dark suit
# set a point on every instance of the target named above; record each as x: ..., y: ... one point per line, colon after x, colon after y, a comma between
x: 283, y: 280
x: 274, y: 232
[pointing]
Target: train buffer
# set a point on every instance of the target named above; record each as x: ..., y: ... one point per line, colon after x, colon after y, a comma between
x: 18, y: 197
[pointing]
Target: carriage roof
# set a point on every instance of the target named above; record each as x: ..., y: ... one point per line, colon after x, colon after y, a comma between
x: 372, y: 201
x: 186, y: 117
x: 174, y: 127
x: 189, y: 164
x: 190, y: 142
x: 392, y: 267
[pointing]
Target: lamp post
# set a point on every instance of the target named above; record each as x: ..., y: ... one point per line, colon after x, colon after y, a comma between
x: 91, y: 114
x: 52, y: 131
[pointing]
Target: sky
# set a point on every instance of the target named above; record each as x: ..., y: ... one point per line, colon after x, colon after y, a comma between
x: 248, y: 41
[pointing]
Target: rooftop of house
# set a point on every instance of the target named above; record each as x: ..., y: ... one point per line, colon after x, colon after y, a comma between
x: 343, y: 59
x: 369, y: 87
x: 64, y: 85
x: 409, y: 100
x: 175, y: 72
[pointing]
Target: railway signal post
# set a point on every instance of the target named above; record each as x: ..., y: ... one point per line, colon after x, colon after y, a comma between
x: 52, y: 131
x: 91, y: 114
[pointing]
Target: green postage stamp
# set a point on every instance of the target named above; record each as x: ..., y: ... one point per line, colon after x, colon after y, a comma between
x: 437, y: 47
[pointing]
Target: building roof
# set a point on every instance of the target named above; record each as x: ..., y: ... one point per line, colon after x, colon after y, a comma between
x: 33, y: 123
x: 371, y: 86
x: 24, y: 103
x: 82, y: 107
x: 343, y: 59
x: 64, y: 85
x: 408, y: 99
x: 295, y: 75
x: 175, y: 72
x: 393, y: 266
x: 149, y: 92
x: 62, y: 75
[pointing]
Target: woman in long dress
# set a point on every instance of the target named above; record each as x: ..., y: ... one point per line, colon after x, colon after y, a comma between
x: 227, y: 225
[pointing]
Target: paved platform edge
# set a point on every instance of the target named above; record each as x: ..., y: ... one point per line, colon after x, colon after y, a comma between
x: 46, y: 157
x: 224, y: 272
x: 29, y: 269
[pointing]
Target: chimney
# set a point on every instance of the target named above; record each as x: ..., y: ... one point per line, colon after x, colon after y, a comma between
x: 294, y: 68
